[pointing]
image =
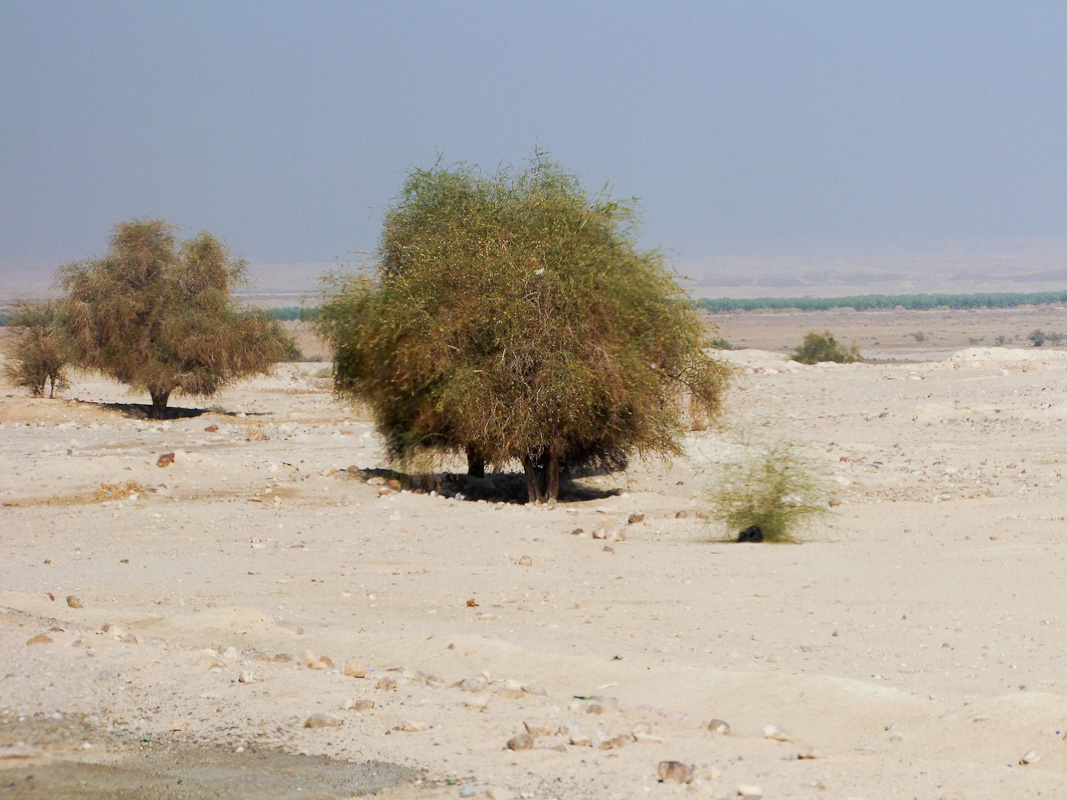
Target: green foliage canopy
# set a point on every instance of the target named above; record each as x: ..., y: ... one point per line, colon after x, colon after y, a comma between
x: 157, y: 314
x: 512, y: 318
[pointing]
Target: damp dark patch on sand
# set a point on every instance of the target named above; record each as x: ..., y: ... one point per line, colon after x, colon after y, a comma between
x: 45, y: 757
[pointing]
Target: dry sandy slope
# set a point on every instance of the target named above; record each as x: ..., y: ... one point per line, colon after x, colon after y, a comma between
x: 915, y: 643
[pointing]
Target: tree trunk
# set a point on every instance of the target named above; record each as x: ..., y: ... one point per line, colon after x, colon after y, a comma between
x: 159, y: 405
x: 551, y: 475
x: 542, y: 476
x: 475, y: 464
x: 534, y: 489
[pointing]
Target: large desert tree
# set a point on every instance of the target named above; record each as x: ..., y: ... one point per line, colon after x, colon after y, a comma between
x: 512, y: 318
x: 157, y: 313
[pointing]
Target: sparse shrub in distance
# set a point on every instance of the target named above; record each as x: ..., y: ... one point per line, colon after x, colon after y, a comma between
x: 720, y: 344
x: 1055, y: 338
x: 819, y: 347
x: 38, y: 355
x: 1037, y: 336
x: 919, y: 336
x: 775, y: 490
x: 1001, y: 340
x: 157, y: 314
x: 975, y: 340
x: 513, y: 319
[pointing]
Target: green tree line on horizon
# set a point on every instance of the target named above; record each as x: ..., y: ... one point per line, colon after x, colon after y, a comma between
x: 868, y: 302
x: 865, y: 302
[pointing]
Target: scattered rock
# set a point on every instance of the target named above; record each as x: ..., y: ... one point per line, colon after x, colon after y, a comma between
x: 472, y: 603
x: 410, y: 726
x: 674, y: 772
x: 747, y: 790
x: 322, y: 720
x: 1031, y: 757
x: 537, y: 727
x: 607, y: 531
x: 179, y: 725
x: 74, y: 602
x: 466, y: 790
x: 165, y: 460
x: 354, y: 668
x: 523, y: 741
x: 498, y: 793
x: 40, y: 638
x: 525, y: 561
x: 776, y: 733
x: 246, y: 676
x: 719, y: 726
x: 387, y: 684
x: 635, y: 517
x: 363, y: 705
x: 751, y: 534
x: 477, y: 703
x: 573, y: 733
x: 211, y: 429
x: 681, y: 515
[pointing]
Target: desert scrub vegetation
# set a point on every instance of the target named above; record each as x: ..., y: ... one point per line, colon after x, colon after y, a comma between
x: 512, y: 319
x: 157, y: 314
x: 774, y: 492
x: 819, y: 347
x: 38, y: 354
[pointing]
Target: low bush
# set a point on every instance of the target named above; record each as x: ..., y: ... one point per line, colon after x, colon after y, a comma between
x: 38, y: 354
x: 819, y: 347
x: 775, y: 491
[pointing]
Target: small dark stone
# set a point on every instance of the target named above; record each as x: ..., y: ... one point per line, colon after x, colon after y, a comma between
x: 750, y: 534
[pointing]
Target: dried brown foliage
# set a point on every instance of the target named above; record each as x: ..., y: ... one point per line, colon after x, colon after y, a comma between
x: 37, y: 354
x: 157, y: 314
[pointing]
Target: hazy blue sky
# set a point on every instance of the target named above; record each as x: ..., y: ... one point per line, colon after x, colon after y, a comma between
x: 745, y: 128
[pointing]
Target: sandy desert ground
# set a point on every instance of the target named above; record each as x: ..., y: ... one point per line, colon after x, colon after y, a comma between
x: 913, y: 646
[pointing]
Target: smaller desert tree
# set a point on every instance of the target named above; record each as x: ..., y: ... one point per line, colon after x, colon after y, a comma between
x: 819, y: 347
x: 157, y: 314
x: 37, y: 354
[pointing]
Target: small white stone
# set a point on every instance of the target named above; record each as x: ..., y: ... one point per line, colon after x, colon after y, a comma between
x: 748, y: 790
x: 776, y: 733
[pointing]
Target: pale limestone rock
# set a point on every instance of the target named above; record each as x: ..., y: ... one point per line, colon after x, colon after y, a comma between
x: 354, y: 668
x: 674, y: 772
x: 322, y: 720
x: 719, y: 726
x: 522, y: 741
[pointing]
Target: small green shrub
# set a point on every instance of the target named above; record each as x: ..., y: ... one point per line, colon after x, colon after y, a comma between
x: 775, y: 490
x: 919, y: 336
x: 819, y: 347
x: 1001, y: 340
x: 1037, y: 336
x: 720, y: 344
